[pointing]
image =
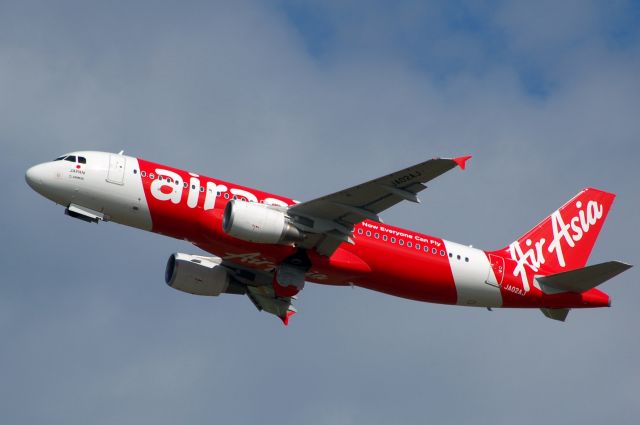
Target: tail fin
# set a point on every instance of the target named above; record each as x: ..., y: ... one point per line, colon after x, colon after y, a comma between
x: 564, y: 240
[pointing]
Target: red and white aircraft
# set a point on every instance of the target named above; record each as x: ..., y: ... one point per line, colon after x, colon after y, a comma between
x: 267, y: 246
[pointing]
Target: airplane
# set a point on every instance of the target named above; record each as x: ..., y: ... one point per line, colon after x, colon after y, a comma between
x: 268, y: 246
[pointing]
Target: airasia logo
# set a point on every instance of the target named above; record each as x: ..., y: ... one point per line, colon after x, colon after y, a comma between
x: 170, y: 186
x: 565, y: 236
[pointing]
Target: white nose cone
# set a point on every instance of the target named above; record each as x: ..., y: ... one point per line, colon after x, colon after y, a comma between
x: 34, y: 177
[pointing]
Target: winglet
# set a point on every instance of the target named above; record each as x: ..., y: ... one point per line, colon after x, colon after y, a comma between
x: 285, y: 318
x: 462, y: 161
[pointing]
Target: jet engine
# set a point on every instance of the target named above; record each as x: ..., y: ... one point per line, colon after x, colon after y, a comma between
x: 259, y: 223
x: 196, y: 275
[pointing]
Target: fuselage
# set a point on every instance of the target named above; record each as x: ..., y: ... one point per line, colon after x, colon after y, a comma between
x: 384, y: 258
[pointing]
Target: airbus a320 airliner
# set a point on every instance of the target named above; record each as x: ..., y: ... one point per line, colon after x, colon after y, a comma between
x: 267, y: 246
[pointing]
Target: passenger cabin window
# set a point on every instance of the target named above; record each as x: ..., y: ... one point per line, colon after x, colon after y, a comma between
x: 82, y: 160
x: 71, y: 158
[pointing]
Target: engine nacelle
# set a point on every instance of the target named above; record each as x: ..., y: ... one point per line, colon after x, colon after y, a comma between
x: 196, y: 275
x: 258, y: 223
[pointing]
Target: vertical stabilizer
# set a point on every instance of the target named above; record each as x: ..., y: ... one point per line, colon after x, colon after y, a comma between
x: 563, y: 241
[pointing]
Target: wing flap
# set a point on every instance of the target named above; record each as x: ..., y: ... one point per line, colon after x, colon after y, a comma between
x: 263, y: 300
x: 405, y: 194
x: 258, y: 286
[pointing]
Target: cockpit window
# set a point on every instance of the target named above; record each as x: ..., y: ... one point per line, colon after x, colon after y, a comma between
x: 71, y: 158
x: 60, y: 158
x: 82, y: 160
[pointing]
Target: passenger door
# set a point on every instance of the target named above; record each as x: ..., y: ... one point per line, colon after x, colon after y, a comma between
x: 116, y: 169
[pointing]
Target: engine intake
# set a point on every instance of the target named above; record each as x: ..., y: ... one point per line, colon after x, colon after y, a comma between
x: 259, y: 223
x: 196, y: 275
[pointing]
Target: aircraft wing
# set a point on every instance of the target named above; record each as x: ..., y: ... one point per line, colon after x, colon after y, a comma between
x: 265, y: 299
x: 330, y: 219
x: 258, y: 286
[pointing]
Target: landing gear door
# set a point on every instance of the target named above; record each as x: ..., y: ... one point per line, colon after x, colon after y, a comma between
x: 496, y: 270
x: 116, y: 169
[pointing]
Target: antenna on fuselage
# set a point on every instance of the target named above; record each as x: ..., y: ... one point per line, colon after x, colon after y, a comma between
x: 121, y: 152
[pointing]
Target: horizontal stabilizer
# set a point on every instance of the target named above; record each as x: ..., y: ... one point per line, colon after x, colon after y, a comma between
x: 559, y: 314
x: 583, y: 279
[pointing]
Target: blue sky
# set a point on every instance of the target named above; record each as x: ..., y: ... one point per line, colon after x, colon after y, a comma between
x: 302, y: 99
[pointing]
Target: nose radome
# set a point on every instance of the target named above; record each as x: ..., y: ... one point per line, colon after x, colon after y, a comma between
x: 34, y: 176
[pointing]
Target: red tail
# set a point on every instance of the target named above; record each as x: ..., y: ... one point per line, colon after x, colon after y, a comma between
x: 564, y: 240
